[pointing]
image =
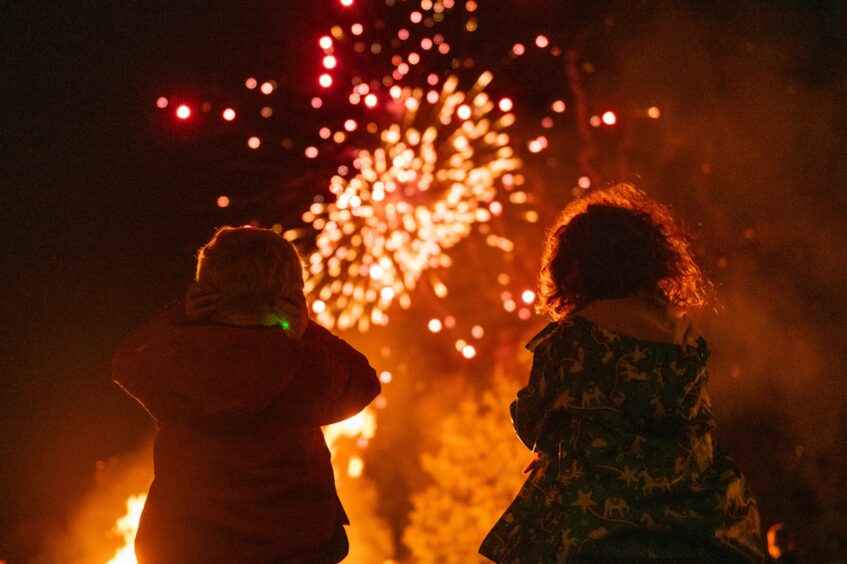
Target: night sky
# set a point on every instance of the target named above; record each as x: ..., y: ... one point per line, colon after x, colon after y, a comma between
x: 105, y: 200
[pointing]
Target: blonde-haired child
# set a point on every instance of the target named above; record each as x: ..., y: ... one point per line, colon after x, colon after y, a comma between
x: 240, y: 381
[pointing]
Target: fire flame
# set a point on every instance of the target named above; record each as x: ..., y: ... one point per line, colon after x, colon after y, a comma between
x: 127, y: 527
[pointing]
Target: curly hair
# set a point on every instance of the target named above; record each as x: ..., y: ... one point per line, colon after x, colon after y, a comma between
x: 616, y: 243
x: 249, y: 267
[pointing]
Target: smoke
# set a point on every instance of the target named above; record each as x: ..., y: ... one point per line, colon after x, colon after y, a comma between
x: 90, y: 536
x: 751, y: 155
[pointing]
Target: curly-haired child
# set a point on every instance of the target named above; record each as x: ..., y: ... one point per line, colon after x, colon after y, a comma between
x: 617, y: 408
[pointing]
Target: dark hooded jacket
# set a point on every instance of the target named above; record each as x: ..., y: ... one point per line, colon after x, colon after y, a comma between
x: 242, y: 471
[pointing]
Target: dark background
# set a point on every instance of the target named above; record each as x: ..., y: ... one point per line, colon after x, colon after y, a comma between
x: 104, y: 201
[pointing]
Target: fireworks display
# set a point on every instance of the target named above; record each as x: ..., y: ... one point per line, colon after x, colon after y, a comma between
x: 438, y: 171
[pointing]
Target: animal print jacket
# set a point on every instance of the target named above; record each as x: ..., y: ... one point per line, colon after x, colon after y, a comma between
x: 627, y: 466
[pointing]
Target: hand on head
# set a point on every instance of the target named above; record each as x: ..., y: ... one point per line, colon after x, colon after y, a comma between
x: 293, y: 313
x: 201, y: 301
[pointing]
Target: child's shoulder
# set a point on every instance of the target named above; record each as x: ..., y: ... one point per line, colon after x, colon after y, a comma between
x: 560, y: 334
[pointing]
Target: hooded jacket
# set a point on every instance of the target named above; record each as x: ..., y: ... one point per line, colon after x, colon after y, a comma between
x: 618, y: 410
x: 242, y: 471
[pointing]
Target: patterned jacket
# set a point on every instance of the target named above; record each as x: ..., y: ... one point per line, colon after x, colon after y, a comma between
x: 627, y: 465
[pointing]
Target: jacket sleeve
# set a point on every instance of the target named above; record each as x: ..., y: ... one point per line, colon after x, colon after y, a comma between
x: 132, y: 363
x: 532, y: 403
x: 334, y: 382
x: 549, y: 393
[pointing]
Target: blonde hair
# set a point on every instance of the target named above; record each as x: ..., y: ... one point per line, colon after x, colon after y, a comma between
x: 250, y: 268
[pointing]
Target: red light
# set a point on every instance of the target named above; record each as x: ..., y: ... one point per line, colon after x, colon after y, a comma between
x: 347, y: 2
x: 330, y: 62
x: 228, y: 114
x: 325, y: 42
x: 609, y: 118
x: 223, y: 201
x: 325, y: 80
x: 317, y: 102
x: 161, y: 102
x: 311, y: 152
x: 370, y: 100
x: 542, y: 41
x: 183, y: 112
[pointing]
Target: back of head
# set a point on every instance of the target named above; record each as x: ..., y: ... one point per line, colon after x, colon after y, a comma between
x: 250, y: 268
x: 617, y: 243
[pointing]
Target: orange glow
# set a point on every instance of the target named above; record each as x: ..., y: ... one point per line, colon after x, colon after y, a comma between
x: 350, y: 125
x: 318, y: 306
x: 524, y: 314
x: 228, y: 114
x: 416, y: 17
x: 477, y: 331
x: 127, y: 526
x: 506, y: 105
x: 584, y: 182
x: 542, y: 41
x: 267, y: 87
x: 325, y: 80
x: 325, y: 42
x: 329, y: 62
x: 468, y: 351
x: 434, y: 325
x: 426, y: 43
x: 223, y: 201
x: 559, y: 106
x: 518, y: 49
x: 251, y: 83
x: 609, y: 118
x: 464, y: 111
x: 254, y: 142
x: 183, y: 112
x: 325, y: 133
x: 266, y: 112
x: 311, y: 152
x: 471, y: 6
x: 443, y: 48
x: 357, y: 29
x: 654, y: 112
x: 595, y: 121
x: 385, y: 377
x: 161, y: 102
x: 528, y: 296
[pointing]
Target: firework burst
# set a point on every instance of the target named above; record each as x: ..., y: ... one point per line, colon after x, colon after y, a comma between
x: 434, y: 174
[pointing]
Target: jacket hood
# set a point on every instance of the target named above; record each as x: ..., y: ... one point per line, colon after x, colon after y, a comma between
x: 212, y: 371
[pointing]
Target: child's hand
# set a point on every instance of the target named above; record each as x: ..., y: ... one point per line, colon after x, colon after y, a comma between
x: 294, y: 314
x: 201, y: 301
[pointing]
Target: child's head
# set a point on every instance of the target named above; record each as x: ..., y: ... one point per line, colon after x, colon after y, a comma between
x: 250, y: 268
x: 618, y: 243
